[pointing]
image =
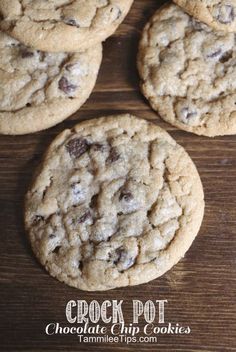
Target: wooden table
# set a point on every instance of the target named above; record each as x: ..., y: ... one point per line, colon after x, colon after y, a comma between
x: 201, y: 289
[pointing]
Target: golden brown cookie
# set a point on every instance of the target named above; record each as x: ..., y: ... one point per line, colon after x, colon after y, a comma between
x: 188, y: 72
x: 219, y: 14
x: 38, y: 89
x: 116, y: 202
x: 62, y: 26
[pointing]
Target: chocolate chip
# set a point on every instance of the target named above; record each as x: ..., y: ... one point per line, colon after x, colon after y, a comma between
x: 187, y: 113
x: 26, y: 53
x: 226, y: 56
x: 118, y: 12
x: 66, y: 86
x: 113, y: 156
x: 37, y: 219
x: 215, y: 54
x: 94, y: 201
x: 87, y: 216
x: 129, y: 262
x: 123, y: 258
x: 80, y: 266
x: 44, y: 192
x: 56, y: 250
x: 70, y: 21
x: 126, y: 196
x: 77, y: 147
x: 225, y: 14
x: 76, y: 188
x: 118, y: 253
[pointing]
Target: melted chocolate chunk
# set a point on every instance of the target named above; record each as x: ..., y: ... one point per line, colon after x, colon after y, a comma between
x: 26, y: 53
x: 85, y: 217
x: 56, y: 250
x: 113, y: 156
x: 126, y: 196
x: 119, y: 13
x: 80, y: 266
x: 94, y: 201
x: 215, y: 54
x: 123, y: 258
x: 70, y: 21
x: 76, y: 188
x: 187, y: 113
x: 118, y: 253
x: 37, y: 219
x: 226, y: 56
x: 129, y: 262
x: 118, y: 10
x: 77, y: 147
x: 66, y: 86
x: 226, y: 14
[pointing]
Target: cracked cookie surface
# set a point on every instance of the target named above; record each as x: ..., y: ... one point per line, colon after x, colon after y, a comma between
x: 116, y: 202
x: 219, y: 14
x: 188, y: 72
x: 39, y: 89
x: 62, y: 25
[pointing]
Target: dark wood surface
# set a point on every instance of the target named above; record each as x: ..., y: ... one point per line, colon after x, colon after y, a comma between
x: 201, y: 289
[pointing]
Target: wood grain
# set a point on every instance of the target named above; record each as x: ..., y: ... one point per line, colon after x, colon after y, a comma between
x: 201, y: 289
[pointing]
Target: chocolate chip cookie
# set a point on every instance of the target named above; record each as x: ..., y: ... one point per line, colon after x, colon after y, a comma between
x: 188, y: 72
x: 62, y: 25
x: 116, y: 202
x: 39, y: 89
x: 221, y: 15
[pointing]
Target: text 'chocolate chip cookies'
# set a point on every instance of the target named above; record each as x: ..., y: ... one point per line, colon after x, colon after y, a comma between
x: 39, y: 89
x: 116, y: 202
x: 188, y: 72
x: 219, y: 14
x: 62, y: 25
